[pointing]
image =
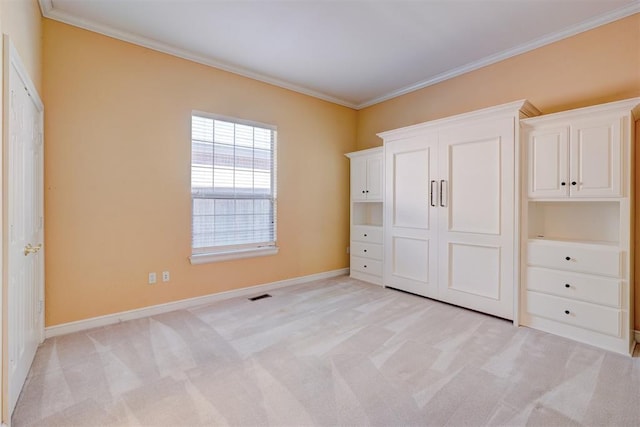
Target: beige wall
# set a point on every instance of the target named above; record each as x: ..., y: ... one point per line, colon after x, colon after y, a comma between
x: 117, y: 176
x: 117, y: 167
x: 596, y: 66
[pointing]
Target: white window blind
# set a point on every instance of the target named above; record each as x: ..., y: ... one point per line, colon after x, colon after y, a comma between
x: 233, y: 189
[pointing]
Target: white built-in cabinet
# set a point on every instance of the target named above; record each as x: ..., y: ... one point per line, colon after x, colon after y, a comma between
x: 451, y: 192
x: 577, y: 159
x: 577, y: 257
x: 366, y: 177
x: 366, y: 214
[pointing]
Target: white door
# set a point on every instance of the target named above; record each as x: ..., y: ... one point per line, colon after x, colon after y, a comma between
x: 596, y: 160
x: 23, y: 190
x: 374, y: 177
x: 476, y: 217
x: 411, y: 215
x: 548, y: 162
x: 358, y: 178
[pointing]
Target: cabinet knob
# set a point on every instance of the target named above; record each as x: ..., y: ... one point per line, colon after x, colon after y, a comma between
x: 568, y: 258
x: 573, y: 183
x: 567, y: 312
x: 362, y: 191
x: 563, y: 183
x: 365, y: 266
x: 367, y: 191
x: 365, y: 250
x: 566, y: 285
x: 365, y: 235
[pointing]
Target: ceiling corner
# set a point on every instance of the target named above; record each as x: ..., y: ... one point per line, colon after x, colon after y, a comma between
x: 46, y: 6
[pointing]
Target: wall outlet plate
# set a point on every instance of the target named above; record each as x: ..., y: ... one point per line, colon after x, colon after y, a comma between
x: 152, y: 278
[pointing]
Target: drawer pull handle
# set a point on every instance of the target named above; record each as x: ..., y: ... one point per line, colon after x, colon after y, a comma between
x: 563, y: 183
x: 567, y: 312
x: 566, y: 285
x: 568, y: 258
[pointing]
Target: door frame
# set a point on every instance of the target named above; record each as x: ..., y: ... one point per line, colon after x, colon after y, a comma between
x: 10, y: 57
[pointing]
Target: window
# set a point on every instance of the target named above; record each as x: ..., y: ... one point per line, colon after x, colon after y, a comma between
x: 233, y: 188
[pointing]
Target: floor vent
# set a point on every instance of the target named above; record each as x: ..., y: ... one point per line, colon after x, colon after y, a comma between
x: 259, y: 297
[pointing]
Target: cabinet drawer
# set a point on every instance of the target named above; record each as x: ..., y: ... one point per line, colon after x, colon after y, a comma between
x: 366, y: 250
x: 366, y: 265
x: 367, y: 234
x: 583, y: 258
x: 594, y: 289
x: 576, y: 313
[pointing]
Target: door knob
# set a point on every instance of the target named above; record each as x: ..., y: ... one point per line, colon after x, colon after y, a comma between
x: 32, y: 249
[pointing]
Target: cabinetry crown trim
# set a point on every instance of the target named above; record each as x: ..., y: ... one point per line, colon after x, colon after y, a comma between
x: 520, y: 109
x: 626, y: 105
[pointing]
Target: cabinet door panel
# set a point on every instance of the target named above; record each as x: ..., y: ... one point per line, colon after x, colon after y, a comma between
x: 374, y: 178
x: 548, y: 163
x: 596, y: 158
x: 411, y: 189
x: 476, y: 228
x: 475, y: 270
x: 410, y: 243
x: 473, y: 186
x: 358, y: 179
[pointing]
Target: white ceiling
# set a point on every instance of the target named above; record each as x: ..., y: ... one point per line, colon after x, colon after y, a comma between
x: 352, y: 52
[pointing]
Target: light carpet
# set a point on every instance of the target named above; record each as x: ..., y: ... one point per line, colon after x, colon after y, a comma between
x: 326, y: 353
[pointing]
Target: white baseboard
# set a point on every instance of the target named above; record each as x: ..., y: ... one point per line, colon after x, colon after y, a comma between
x: 637, y: 335
x: 110, y: 319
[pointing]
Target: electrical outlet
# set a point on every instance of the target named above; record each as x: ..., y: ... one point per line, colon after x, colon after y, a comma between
x: 152, y: 278
x: 165, y: 276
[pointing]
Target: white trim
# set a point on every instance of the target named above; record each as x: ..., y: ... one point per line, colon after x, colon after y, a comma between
x: 110, y: 319
x: 629, y: 104
x: 520, y: 109
x: 48, y: 11
x: 14, y: 59
x: 637, y: 336
x: 237, y: 254
x: 367, y: 152
x: 590, y: 24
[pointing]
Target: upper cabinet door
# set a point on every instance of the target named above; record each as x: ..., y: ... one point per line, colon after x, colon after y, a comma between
x: 374, y: 178
x: 359, y: 178
x: 366, y: 177
x: 596, y: 159
x: 548, y: 166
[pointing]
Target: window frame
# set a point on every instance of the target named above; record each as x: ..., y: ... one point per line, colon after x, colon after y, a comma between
x: 242, y: 250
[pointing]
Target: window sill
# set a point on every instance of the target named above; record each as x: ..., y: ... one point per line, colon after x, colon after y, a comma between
x: 236, y: 254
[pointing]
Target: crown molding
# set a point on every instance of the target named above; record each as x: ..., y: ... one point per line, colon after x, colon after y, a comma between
x: 48, y: 11
x: 590, y: 24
